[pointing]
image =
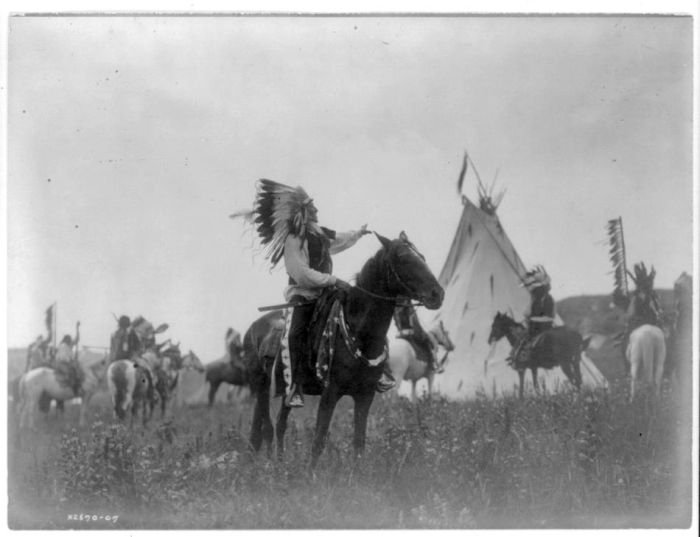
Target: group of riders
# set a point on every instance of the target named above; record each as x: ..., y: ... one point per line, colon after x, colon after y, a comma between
x: 132, y: 340
x: 286, y: 221
x: 641, y: 307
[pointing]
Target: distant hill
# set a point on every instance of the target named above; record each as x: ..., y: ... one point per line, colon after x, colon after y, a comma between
x: 595, y: 314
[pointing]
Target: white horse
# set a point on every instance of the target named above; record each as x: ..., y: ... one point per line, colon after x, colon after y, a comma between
x: 131, y: 389
x: 646, y: 354
x: 45, y: 380
x: 406, y: 365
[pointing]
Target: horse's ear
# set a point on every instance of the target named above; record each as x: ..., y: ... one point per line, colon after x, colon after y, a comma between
x: 403, y: 236
x: 385, y: 242
x: 162, y: 328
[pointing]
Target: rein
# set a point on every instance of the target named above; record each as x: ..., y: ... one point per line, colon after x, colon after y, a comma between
x: 401, y: 300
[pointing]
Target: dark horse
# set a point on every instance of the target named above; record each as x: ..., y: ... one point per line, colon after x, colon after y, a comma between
x: 559, y: 346
x: 229, y: 368
x: 397, y: 272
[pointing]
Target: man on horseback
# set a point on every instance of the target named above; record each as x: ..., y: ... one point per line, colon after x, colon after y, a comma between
x: 124, y: 343
x: 287, y: 222
x: 68, y: 371
x: 409, y: 327
x: 541, y: 315
x: 643, y: 305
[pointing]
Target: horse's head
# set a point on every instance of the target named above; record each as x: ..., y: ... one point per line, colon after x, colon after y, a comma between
x: 501, y: 326
x: 408, y: 274
x: 172, y: 353
x: 192, y: 361
x: 443, y: 337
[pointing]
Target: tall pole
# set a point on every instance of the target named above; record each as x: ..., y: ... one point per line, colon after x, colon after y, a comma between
x: 54, y: 336
x: 624, y: 260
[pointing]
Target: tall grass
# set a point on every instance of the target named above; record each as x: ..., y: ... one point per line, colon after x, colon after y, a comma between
x: 559, y: 460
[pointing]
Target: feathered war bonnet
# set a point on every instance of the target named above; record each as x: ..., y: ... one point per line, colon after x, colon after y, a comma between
x: 278, y: 211
x: 537, y: 277
x: 642, y: 279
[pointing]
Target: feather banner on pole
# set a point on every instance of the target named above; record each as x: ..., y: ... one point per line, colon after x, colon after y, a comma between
x: 618, y: 258
x: 462, y: 173
x: 76, y: 343
x: 49, y: 321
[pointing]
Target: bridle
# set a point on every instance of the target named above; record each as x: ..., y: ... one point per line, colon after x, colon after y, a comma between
x: 399, y: 300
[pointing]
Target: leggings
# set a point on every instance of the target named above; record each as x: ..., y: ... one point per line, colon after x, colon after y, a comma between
x: 298, y: 340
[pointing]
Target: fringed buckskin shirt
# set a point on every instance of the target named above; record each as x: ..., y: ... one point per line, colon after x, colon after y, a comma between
x: 308, y: 262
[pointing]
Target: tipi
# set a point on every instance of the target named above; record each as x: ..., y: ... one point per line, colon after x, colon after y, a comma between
x: 482, y: 276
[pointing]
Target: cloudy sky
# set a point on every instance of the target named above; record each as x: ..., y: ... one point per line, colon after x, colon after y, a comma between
x: 131, y: 140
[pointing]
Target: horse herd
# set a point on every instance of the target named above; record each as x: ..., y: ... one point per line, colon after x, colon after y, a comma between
x: 351, y: 336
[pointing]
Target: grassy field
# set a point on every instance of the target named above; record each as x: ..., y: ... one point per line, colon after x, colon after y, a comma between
x: 554, y: 461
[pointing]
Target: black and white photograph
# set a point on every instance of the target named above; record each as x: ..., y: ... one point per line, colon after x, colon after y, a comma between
x: 356, y: 270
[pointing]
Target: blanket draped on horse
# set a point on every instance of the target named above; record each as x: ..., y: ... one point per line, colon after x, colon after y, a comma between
x: 327, y: 325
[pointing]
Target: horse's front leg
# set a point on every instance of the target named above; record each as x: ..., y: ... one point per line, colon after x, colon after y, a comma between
x: 576, y: 367
x: 261, y: 428
x: 534, y: 380
x: 281, y: 428
x: 430, y: 377
x: 213, y: 387
x: 163, y: 403
x: 323, y: 420
x: 413, y: 391
x: 83, y: 408
x: 363, y: 403
x: 521, y: 376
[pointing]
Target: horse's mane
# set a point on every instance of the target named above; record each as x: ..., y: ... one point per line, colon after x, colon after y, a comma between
x: 370, y: 270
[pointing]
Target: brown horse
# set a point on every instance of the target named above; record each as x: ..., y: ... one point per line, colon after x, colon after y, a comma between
x: 396, y: 273
x: 229, y: 368
x: 559, y: 346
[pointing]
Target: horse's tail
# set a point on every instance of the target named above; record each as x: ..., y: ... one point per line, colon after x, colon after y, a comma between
x: 44, y: 402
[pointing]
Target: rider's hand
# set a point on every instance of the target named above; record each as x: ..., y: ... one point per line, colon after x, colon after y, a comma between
x: 364, y: 230
x: 342, y: 284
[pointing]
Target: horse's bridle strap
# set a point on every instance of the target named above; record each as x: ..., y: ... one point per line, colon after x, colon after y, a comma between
x: 398, y: 299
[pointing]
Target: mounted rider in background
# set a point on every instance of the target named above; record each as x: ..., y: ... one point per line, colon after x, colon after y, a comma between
x: 540, y: 317
x: 68, y: 370
x: 124, y: 343
x: 410, y: 329
x: 644, y: 303
x: 643, y: 307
